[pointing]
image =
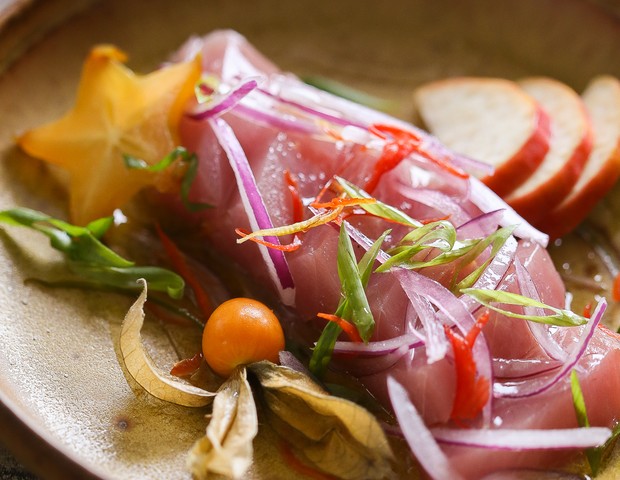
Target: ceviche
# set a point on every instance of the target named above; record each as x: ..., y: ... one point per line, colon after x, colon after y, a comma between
x: 356, y: 283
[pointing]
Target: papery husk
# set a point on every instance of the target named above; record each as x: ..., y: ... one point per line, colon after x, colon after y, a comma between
x: 334, y: 434
x: 142, y: 368
x: 227, y: 446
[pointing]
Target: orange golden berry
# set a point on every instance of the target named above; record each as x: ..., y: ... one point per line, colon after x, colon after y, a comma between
x: 241, y: 331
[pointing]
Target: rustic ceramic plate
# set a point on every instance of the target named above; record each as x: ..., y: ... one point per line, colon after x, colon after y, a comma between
x: 69, y: 408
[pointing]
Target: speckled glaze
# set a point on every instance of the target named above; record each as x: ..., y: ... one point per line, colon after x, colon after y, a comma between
x: 68, y: 409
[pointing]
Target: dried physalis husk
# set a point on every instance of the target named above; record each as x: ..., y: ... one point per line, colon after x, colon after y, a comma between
x: 227, y: 446
x: 141, y: 367
x: 336, y: 435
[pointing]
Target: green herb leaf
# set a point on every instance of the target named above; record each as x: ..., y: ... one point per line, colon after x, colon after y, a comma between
x: 91, y: 259
x: 559, y: 317
x: 181, y: 154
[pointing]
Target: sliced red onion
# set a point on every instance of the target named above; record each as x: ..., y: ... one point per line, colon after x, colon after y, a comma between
x: 222, y: 103
x: 434, y: 334
x: 537, y: 385
x: 255, y: 208
x: 271, y: 118
x: 287, y: 359
x: 364, y: 366
x: 418, y: 436
x: 508, y: 439
x: 359, y: 114
x: 439, y: 201
x: 487, y: 201
x: 315, y: 112
x: 540, y: 331
x: 481, y: 226
x: 410, y: 340
x: 511, y: 368
x: 492, y: 276
x: 458, y: 314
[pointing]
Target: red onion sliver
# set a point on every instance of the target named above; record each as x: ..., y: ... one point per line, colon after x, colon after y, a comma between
x: 487, y: 200
x: 223, y: 103
x: 364, y: 366
x: 511, y: 368
x: 383, y: 347
x: 458, y: 314
x: 538, y: 386
x: 365, y: 116
x: 418, y: 436
x: 314, y: 111
x: 541, y: 332
x: 481, y: 226
x: 507, y: 439
x: 439, y: 201
x: 435, y: 336
x: 255, y: 208
x: 273, y: 119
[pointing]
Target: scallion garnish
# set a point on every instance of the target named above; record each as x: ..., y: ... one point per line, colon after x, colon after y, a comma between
x: 354, y: 306
x: 91, y: 259
x: 559, y: 317
x: 181, y: 154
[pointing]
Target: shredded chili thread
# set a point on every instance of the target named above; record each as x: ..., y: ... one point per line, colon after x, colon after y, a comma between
x: 291, y: 247
x: 180, y: 265
x: 187, y: 367
x: 399, y: 145
x: 346, y: 326
x: 343, y: 202
x: 293, y: 188
x: 615, y: 291
x: 300, y: 467
x: 471, y: 393
x: 587, y: 310
x: 436, y: 219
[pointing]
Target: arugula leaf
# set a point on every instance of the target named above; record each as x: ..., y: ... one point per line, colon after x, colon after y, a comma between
x: 179, y: 153
x: 559, y: 317
x: 91, y: 259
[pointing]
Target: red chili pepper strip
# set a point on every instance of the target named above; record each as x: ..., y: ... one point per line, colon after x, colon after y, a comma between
x: 300, y: 467
x: 178, y: 261
x: 615, y: 291
x: 436, y: 219
x: 348, y: 327
x: 399, y: 145
x: 187, y: 367
x: 291, y: 247
x: 344, y: 202
x: 608, y: 331
x: 587, y: 310
x: 293, y: 188
x: 472, y: 393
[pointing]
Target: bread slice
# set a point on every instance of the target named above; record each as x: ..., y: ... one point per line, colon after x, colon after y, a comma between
x: 602, y: 169
x: 488, y: 119
x: 569, y: 148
